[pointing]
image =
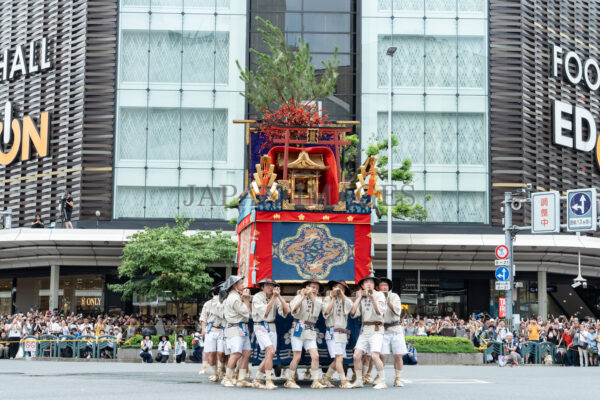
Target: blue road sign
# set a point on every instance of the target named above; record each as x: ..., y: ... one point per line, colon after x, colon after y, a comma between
x: 502, y: 274
x: 581, y: 210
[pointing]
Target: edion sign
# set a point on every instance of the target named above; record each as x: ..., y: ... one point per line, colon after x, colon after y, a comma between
x: 20, y: 135
x: 569, y: 121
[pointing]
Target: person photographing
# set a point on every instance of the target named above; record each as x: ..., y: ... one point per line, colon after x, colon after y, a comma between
x: 68, y: 210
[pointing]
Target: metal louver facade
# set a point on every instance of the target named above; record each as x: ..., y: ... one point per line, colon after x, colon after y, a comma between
x: 78, y: 91
x: 523, y: 88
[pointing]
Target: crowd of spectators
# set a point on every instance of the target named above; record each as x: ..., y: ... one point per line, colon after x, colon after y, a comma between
x: 576, y: 340
x: 15, y: 327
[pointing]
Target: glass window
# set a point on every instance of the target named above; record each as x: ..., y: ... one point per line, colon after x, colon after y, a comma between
x: 5, y: 296
x: 325, y: 25
x: 176, y: 100
x: 440, y: 65
x: 314, y: 22
x: 440, y: 102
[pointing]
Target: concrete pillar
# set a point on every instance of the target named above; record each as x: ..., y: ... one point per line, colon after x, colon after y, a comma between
x: 54, y: 278
x: 227, y: 272
x: 542, y: 294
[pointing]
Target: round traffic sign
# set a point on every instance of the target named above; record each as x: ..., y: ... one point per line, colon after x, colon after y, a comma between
x: 501, y: 252
x: 580, y: 203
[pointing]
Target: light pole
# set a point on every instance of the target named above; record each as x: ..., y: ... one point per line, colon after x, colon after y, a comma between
x: 390, y: 53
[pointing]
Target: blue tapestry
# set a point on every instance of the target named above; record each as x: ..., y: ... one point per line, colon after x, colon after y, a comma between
x: 313, y: 251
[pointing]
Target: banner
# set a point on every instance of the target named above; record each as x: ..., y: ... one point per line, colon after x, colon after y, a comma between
x: 334, y: 248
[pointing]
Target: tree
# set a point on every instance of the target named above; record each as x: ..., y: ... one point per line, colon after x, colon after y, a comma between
x: 170, y: 261
x: 285, y: 77
x: 405, y: 206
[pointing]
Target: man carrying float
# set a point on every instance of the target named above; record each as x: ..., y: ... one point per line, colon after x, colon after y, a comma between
x: 370, y: 305
x: 265, y: 305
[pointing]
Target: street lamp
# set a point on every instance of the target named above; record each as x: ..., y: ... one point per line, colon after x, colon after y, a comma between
x: 390, y: 53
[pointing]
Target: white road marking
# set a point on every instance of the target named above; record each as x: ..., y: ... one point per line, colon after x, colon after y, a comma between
x: 445, y: 381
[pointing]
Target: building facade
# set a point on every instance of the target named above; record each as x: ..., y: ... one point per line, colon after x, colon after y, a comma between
x: 141, y: 95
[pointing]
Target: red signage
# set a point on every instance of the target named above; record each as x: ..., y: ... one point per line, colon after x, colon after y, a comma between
x: 501, y: 252
x: 502, y: 307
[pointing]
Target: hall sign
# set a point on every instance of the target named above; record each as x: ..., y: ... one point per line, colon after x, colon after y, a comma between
x: 19, y: 136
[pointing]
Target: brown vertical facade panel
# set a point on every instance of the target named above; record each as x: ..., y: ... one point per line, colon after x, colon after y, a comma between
x: 99, y: 109
x: 522, y: 89
x: 78, y: 91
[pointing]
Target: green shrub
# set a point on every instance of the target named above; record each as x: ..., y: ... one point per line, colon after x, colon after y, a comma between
x: 134, y: 343
x: 442, y: 344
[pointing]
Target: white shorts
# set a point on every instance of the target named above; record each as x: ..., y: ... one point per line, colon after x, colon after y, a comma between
x: 237, y: 344
x: 307, y: 344
x: 370, y: 344
x: 213, y: 341
x: 394, y: 343
x: 264, y: 338
x: 225, y: 346
x: 336, y: 348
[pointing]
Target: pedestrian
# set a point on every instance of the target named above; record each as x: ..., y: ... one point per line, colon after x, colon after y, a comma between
x: 592, y: 346
x: 411, y: 357
x: 180, y: 347
x: 370, y: 306
x: 146, y: 349
x: 236, y: 310
x: 306, y: 307
x: 68, y: 210
x: 14, y: 334
x: 266, y: 304
x: 393, y: 338
x: 569, y: 347
x: 512, y: 347
x: 197, y: 345
x: 163, y: 350
x: 580, y: 341
x: 336, y: 308
x: 37, y: 223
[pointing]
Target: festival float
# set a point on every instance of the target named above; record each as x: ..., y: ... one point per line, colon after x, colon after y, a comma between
x: 300, y: 217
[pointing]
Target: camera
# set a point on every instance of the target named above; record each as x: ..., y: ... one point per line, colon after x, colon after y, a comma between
x: 579, y: 281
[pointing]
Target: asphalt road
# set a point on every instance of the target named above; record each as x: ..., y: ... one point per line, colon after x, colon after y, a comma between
x: 27, y: 379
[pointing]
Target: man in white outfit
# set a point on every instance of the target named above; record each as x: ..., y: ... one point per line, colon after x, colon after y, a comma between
x: 236, y: 310
x: 370, y: 306
x: 306, y: 307
x: 212, y: 329
x: 393, y: 338
x: 265, y: 305
x: 336, y: 308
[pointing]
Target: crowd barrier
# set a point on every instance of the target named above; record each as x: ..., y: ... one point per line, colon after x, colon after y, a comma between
x: 532, y: 352
x: 67, y: 346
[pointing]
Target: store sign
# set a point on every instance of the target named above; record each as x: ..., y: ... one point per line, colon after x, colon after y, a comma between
x: 545, y: 212
x: 20, y: 135
x: 570, y: 121
x: 502, y: 307
x: 90, y: 301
